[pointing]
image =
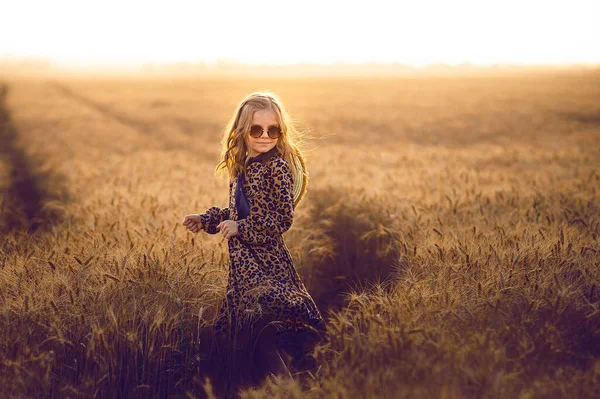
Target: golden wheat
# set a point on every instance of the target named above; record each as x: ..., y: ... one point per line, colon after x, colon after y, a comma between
x: 450, y: 230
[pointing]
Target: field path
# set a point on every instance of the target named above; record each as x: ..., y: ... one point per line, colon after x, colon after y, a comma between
x: 144, y: 128
x: 21, y: 203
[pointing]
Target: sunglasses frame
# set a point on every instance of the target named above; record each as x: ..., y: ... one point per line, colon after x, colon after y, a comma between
x: 269, y: 129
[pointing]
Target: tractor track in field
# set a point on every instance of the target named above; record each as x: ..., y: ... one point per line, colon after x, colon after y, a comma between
x: 142, y: 127
x: 25, y: 189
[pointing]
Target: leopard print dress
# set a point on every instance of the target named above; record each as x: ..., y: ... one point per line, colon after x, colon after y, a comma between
x: 263, y: 283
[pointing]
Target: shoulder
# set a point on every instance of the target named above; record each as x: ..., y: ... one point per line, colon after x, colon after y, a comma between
x: 278, y: 166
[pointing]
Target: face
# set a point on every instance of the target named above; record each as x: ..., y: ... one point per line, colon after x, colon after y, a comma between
x: 262, y: 144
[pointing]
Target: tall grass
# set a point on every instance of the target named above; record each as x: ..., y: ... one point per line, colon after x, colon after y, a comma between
x: 455, y: 255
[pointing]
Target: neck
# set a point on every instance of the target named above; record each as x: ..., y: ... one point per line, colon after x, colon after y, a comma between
x: 252, y: 154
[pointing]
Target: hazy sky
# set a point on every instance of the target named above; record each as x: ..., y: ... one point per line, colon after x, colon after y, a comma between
x: 415, y: 32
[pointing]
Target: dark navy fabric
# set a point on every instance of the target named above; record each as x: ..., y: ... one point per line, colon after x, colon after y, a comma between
x: 241, y: 203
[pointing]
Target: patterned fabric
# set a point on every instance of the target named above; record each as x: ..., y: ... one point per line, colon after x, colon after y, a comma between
x: 263, y: 282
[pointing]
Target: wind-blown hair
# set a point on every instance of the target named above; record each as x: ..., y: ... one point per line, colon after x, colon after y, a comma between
x: 235, y: 154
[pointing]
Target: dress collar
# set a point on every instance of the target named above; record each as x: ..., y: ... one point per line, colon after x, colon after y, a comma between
x: 264, y: 156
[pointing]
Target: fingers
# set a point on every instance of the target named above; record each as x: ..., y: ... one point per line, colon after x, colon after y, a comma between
x: 191, y: 219
x: 192, y: 223
x: 228, y: 228
x: 224, y: 228
x: 192, y: 226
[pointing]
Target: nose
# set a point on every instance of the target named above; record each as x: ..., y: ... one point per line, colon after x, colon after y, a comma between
x: 264, y: 133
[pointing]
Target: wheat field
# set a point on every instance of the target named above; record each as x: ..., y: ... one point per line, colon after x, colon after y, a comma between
x: 450, y: 234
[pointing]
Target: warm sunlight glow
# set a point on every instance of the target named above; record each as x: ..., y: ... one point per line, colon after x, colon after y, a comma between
x: 279, y: 32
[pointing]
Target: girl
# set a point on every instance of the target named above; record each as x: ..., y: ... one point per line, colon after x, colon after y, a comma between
x: 265, y: 300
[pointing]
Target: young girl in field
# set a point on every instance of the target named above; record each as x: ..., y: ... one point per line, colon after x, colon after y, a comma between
x: 267, y: 309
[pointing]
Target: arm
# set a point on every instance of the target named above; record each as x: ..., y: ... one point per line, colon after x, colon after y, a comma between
x: 213, y: 216
x: 272, y: 212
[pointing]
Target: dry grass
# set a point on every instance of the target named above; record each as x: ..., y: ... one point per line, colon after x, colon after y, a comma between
x: 450, y: 231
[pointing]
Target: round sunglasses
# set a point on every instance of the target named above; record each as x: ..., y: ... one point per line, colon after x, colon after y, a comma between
x: 257, y: 131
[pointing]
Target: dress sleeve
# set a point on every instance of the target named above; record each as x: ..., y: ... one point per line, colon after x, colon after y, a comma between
x: 272, y: 211
x: 213, y: 216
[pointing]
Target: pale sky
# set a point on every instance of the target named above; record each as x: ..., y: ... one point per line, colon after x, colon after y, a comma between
x: 415, y: 32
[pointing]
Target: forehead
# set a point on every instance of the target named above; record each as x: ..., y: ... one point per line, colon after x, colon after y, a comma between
x: 264, y: 117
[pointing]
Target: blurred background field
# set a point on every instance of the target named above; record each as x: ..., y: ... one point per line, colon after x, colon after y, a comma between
x: 450, y: 233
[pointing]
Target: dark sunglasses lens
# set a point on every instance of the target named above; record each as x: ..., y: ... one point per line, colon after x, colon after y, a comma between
x: 256, y: 131
x: 274, y: 132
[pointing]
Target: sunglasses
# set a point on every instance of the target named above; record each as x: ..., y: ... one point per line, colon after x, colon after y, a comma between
x: 257, y: 131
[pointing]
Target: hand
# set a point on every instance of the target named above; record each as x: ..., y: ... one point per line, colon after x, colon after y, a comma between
x: 229, y: 228
x: 192, y: 223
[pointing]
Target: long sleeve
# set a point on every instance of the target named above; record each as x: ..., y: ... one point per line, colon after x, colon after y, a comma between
x: 213, y: 216
x: 272, y: 211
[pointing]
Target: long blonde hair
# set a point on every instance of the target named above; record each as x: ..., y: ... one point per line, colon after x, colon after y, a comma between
x: 235, y: 153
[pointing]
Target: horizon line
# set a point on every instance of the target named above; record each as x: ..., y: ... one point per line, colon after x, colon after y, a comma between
x: 221, y: 62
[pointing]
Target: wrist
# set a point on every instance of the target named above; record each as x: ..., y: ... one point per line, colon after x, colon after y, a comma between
x: 240, y: 226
